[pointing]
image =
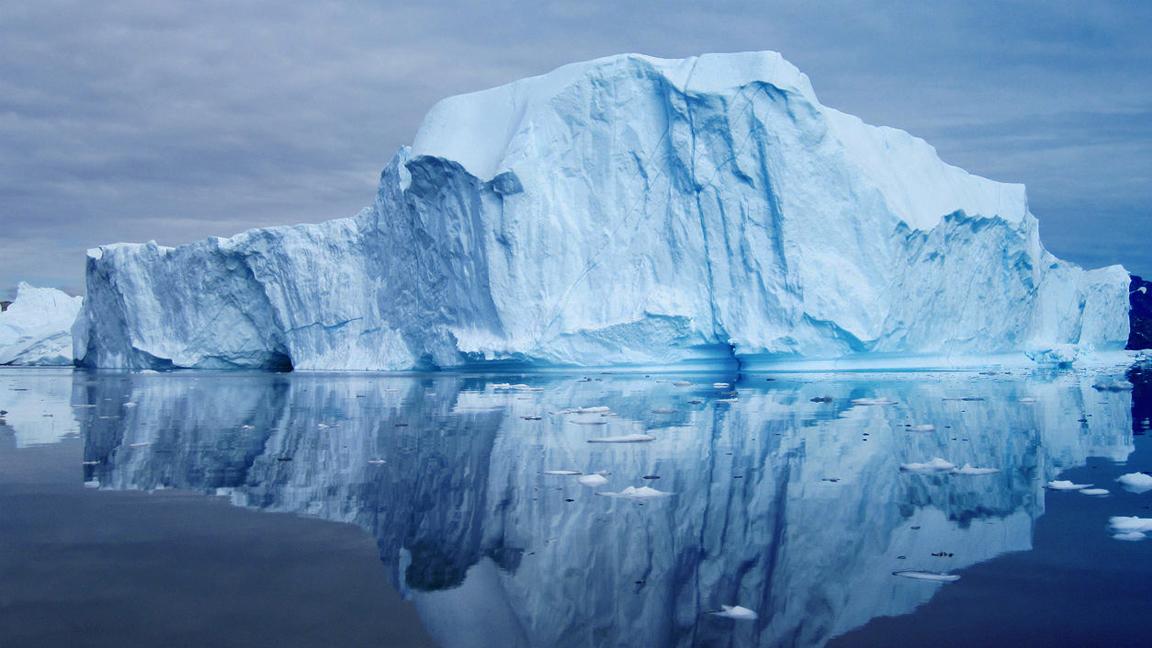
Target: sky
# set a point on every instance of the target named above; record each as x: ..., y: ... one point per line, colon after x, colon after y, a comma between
x: 138, y: 120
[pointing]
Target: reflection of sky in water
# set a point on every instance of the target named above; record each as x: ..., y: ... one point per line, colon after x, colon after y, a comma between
x: 789, y: 500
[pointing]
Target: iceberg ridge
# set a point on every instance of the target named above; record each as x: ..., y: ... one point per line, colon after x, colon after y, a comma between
x: 623, y: 211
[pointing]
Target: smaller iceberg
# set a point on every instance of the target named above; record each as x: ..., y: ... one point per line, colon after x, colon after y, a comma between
x: 934, y: 465
x: 37, y: 328
x: 1136, y: 482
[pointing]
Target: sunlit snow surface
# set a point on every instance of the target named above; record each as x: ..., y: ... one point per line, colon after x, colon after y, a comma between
x: 795, y: 509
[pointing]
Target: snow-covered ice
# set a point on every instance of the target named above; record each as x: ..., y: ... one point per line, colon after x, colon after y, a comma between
x: 629, y: 210
x: 37, y: 327
x: 1136, y: 482
x: 969, y: 469
x: 632, y: 492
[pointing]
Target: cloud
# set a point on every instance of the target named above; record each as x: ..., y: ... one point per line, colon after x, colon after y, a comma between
x: 137, y: 120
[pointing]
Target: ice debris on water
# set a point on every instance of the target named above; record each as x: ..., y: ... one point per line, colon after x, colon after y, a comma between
x: 624, y: 438
x: 924, y: 427
x: 1095, y: 492
x: 721, y: 385
x: 938, y: 577
x: 563, y: 473
x: 969, y: 469
x: 632, y: 492
x: 872, y: 401
x: 1129, y: 527
x: 1136, y: 482
x: 592, y: 481
x: 1065, y: 485
x: 737, y: 612
x: 933, y: 465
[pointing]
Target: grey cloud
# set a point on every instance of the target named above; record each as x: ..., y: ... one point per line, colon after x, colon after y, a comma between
x: 138, y: 120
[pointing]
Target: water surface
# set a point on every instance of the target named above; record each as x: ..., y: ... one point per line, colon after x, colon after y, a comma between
x: 135, y: 509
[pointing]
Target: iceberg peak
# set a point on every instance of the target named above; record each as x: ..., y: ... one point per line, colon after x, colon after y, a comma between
x: 628, y: 210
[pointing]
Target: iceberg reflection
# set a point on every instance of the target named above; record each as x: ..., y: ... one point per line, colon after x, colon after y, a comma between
x: 787, y: 497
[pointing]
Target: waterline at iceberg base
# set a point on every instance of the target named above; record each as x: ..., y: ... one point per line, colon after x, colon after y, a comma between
x: 623, y: 211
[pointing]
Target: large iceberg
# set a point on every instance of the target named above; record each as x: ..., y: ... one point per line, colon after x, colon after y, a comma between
x: 37, y: 328
x: 624, y: 211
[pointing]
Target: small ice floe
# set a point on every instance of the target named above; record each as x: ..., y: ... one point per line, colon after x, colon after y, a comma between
x: 141, y: 444
x: 1065, y: 485
x: 1027, y: 400
x: 933, y: 465
x: 1112, y: 385
x: 624, y: 438
x: 969, y: 469
x: 682, y: 383
x: 727, y: 400
x: 644, y: 492
x: 599, y: 409
x: 592, y: 481
x: 1095, y: 492
x: 526, y: 388
x: 1129, y: 528
x: 563, y: 473
x: 721, y: 385
x: 323, y: 426
x: 90, y: 463
x: 502, y: 386
x: 737, y: 612
x: 1136, y: 482
x: 923, y: 427
x: 95, y: 483
x: 377, y: 462
x: 872, y: 401
x: 247, y: 427
x: 129, y: 404
x: 937, y: 577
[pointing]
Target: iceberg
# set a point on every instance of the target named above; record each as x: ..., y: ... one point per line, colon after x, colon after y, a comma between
x: 36, y: 329
x: 625, y: 211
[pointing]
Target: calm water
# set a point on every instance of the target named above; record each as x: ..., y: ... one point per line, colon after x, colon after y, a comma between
x: 293, y: 510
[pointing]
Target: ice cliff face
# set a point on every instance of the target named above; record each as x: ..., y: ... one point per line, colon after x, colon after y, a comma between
x: 623, y: 211
x: 37, y: 328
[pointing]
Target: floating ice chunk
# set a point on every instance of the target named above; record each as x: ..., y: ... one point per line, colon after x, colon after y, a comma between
x: 592, y: 481
x: 938, y: 577
x: 924, y: 427
x: 1027, y: 400
x: 129, y: 404
x: 934, y: 465
x: 727, y: 400
x: 736, y: 612
x: 1136, y: 482
x: 563, y: 473
x: 644, y: 492
x: 599, y: 409
x: 682, y: 383
x: 720, y: 385
x: 969, y: 469
x: 1129, y: 525
x: 624, y: 438
x: 1112, y: 385
x: 95, y: 483
x: 1095, y: 492
x: 1130, y: 536
x: 872, y: 401
x: 1064, y: 484
x: 141, y: 444
x: 377, y: 462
